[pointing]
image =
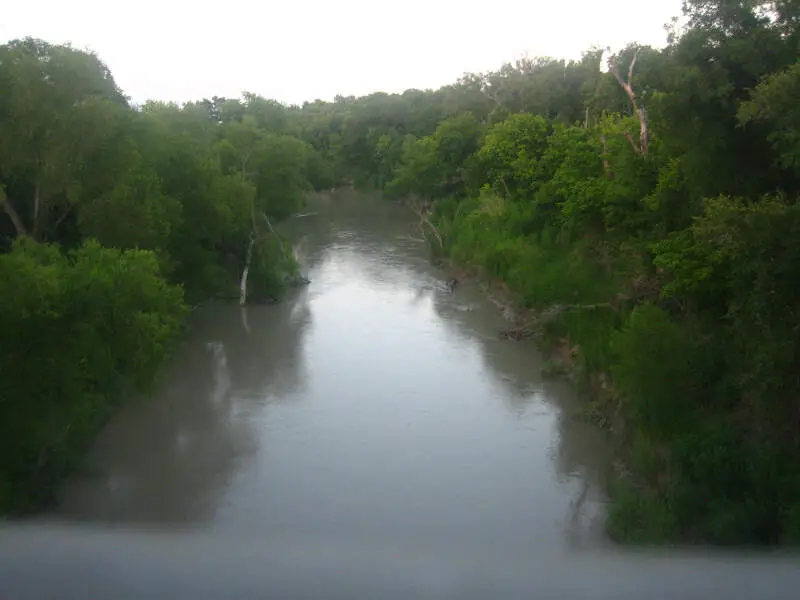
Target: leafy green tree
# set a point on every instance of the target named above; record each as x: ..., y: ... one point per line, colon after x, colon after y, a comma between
x: 436, y: 166
x: 510, y: 154
x: 78, y: 329
x: 281, y: 169
x: 56, y: 107
x: 149, y: 215
x: 774, y: 102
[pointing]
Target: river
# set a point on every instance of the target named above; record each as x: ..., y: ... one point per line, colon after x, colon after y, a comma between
x: 371, y: 404
x: 369, y: 437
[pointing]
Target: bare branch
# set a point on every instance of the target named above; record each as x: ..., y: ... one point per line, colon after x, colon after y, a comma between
x: 633, y: 64
x: 639, y: 112
x: 629, y: 137
x: 614, y: 68
x: 423, y: 213
x: 505, y: 186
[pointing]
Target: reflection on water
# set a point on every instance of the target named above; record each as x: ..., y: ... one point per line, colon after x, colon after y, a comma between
x: 372, y: 404
x: 169, y: 458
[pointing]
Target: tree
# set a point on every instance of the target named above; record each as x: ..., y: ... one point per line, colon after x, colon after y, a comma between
x: 510, y: 153
x: 774, y: 102
x: 57, y: 106
x: 436, y: 166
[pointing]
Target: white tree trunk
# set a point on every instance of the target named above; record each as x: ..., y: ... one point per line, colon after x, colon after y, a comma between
x: 639, y: 112
x: 245, y: 271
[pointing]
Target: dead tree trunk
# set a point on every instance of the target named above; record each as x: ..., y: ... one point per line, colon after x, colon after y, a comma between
x: 433, y: 229
x: 253, y: 235
x: 12, y: 213
x: 641, y: 148
x: 424, y: 220
x: 246, y: 270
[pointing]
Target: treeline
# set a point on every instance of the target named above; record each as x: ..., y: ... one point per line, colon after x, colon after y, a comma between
x: 112, y: 219
x: 656, y: 201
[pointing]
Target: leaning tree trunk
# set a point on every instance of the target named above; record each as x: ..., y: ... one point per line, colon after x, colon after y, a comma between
x: 423, y: 213
x: 12, y: 213
x: 641, y: 147
x: 273, y: 232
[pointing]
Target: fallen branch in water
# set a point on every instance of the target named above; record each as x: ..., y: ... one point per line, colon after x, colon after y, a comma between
x: 434, y: 230
x: 272, y: 231
x: 518, y: 333
x: 424, y: 220
x: 557, y: 309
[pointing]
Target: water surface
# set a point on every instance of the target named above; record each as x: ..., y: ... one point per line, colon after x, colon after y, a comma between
x: 372, y: 405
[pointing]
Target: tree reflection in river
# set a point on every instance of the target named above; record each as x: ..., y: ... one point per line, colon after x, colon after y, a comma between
x: 382, y: 247
x: 385, y: 249
x: 371, y: 403
x: 580, y: 455
x: 169, y: 458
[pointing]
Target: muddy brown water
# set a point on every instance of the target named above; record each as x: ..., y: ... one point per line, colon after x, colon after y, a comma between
x: 372, y: 404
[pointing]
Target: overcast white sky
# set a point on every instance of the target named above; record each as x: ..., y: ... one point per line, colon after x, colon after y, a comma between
x: 299, y: 50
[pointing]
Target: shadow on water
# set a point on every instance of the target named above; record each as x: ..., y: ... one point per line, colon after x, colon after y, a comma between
x: 581, y: 454
x: 168, y: 458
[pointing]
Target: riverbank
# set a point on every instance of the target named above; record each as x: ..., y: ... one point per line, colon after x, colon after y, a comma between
x: 685, y: 472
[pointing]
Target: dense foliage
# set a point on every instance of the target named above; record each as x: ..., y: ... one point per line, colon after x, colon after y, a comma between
x: 78, y: 328
x: 657, y: 200
x: 111, y: 218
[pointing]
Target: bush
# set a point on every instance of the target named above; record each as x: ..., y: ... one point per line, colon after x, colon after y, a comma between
x: 638, y: 517
x: 656, y: 369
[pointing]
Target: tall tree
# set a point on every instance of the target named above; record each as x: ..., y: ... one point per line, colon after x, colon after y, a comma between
x: 56, y: 107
